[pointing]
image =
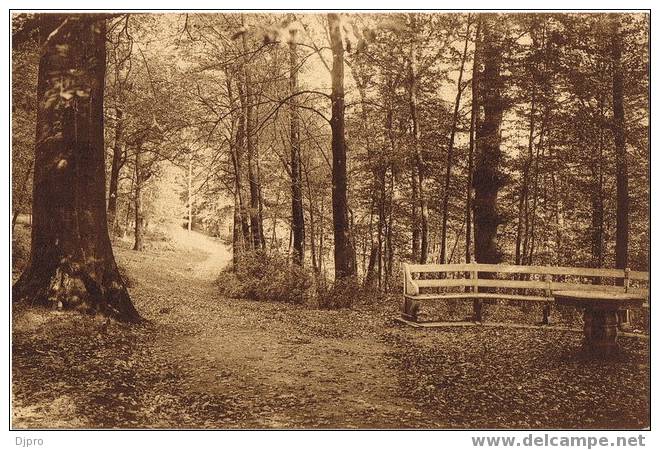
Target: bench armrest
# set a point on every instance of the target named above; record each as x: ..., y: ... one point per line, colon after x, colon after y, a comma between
x: 409, y: 287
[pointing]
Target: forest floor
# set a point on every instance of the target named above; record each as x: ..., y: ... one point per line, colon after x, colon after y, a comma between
x: 204, y: 361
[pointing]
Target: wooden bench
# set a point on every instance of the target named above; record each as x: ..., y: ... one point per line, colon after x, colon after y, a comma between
x: 479, y: 282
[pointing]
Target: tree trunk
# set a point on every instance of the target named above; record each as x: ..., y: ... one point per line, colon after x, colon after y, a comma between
x: 523, y: 196
x: 488, y: 176
x: 418, y: 174
x: 370, y: 274
x: 597, y: 206
x: 236, y: 149
x: 190, y: 194
x: 618, y: 124
x: 377, y: 190
x: 530, y: 235
x: 72, y: 265
x: 474, y: 122
x: 312, y: 222
x: 450, y: 147
x: 297, y: 212
x: 321, y: 234
x: 237, y: 234
x: 252, y: 154
x: 388, y: 239
x: 139, y: 216
x: 344, y: 252
x: 414, y: 206
x: 381, y: 225
x: 114, y: 172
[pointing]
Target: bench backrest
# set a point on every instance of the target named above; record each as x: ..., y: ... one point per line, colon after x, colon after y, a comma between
x: 545, y: 278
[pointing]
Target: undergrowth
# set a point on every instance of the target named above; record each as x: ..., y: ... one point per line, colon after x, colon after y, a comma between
x: 261, y: 276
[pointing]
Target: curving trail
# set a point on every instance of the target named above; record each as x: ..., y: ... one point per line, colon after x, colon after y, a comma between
x: 218, y: 254
x: 265, y: 364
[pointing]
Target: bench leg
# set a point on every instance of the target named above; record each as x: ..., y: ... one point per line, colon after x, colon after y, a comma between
x: 623, y: 319
x: 600, y: 332
x: 476, y: 309
x: 410, y: 309
x: 546, y: 314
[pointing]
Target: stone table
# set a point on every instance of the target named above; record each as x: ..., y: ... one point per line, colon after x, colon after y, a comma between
x: 600, y: 316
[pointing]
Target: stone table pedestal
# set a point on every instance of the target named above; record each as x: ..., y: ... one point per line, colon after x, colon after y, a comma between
x: 600, y: 316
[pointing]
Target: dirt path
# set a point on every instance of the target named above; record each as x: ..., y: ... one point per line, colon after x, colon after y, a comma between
x: 278, y: 365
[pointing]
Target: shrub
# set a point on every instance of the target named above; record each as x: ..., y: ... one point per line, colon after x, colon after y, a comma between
x: 347, y: 293
x: 339, y: 294
x: 229, y: 283
x: 261, y: 276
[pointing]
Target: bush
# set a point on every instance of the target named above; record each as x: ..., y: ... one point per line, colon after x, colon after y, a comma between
x: 340, y: 294
x: 348, y: 293
x: 261, y: 276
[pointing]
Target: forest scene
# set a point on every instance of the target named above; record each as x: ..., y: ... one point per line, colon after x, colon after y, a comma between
x: 298, y: 220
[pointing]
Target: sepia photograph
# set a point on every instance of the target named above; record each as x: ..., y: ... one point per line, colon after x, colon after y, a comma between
x: 330, y: 220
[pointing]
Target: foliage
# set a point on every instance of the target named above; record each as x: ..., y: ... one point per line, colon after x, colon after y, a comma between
x: 261, y: 276
x: 347, y: 293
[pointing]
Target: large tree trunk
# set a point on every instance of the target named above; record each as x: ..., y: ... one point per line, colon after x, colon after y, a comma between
x: 297, y: 212
x: 114, y: 171
x: 72, y: 265
x: 488, y: 176
x: 618, y: 124
x: 344, y: 252
x: 450, y: 147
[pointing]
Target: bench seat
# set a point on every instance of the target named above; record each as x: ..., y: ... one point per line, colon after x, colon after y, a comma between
x: 473, y: 295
